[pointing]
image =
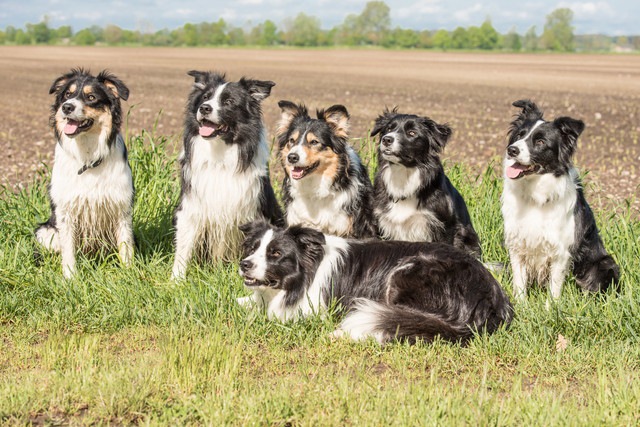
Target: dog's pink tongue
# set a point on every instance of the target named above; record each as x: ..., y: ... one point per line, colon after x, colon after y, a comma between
x: 515, y: 170
x: 71, y: 127
x: 296, y: 173
x: 207, y: 130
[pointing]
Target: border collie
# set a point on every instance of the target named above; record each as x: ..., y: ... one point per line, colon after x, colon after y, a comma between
x: 414, y: 199
x: 325, y: 186
x: 224, y: 164
x: 549, y: 227
x: 91, y: 190
x: 389, y: 289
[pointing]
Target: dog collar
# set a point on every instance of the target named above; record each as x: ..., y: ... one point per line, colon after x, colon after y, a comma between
x: 84, y: 168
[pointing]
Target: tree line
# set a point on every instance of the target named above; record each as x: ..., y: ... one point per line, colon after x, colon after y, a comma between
x: 372, y: 27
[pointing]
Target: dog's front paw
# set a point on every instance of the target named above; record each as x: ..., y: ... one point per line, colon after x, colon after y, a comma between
x: 246, y: 302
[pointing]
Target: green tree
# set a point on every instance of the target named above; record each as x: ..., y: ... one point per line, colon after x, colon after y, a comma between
x: 558, y: 31
x: 530, y: 40
x: 488, y: 36
x: 39, y: 33
x: 237, y: 37
x: 64, y: 32
x: 303, y: 30
x: 459, y: 38
x: 10, y: 34
x: 190, y: 34
x: 426, y: 39
x: 21, y: 37
x: 3, y: 37
x: 265, y: 34
x: 84, y: 37
x: 374, y: 22
x: 512, y: 41
x: 113, y: 34
x: 442, y: 40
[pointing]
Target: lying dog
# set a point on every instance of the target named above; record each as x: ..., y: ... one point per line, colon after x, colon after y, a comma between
x: 549, y: 227
x: 224, y: 164
x: 414, y: 199
x: 91, y: 188
x: 389, y: 289
x: 326, y: 186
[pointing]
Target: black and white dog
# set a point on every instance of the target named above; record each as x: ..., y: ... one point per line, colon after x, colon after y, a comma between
x: 549, y: 227
x: 91, y: 190
x: 325, y: 186
x: 225, y: 176
x: 414, y: 199
x: 389, y: 289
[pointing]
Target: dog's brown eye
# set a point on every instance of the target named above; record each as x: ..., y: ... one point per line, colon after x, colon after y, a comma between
x: 91, y: 98
x: 206, y: 96
x: 411, y: 133
x: 314, y: 142
x: 539, y: 142
x: 228, y: 102
x: 275, y: 253
x: 68, y: 94
x: 291, y: 141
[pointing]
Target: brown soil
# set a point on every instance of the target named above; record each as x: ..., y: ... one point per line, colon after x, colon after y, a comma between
x: 472, y: 92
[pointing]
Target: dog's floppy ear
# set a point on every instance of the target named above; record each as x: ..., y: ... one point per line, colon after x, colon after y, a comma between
x: 438, y: 134
x: 115, y: 85
x: 61, y: 81
x: 337, y: 117
x: 309, y: 240
x: 529, y: 109
x: 204, y: 77
x: 289, y: 112
x: 383, y: 120
x: 253, y: 227
x: 258, y: 89
x: 571, y: 130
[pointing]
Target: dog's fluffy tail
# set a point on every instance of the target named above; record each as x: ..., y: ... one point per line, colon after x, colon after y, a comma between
x: 387, y: 322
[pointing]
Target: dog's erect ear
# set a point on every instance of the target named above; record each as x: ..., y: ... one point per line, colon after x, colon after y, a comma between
x: 289, y: 112
x: 571, y: 130
x: 258, y: 89
x: 529, y: 109
x: 115, y: 85
x: 383, y: 120
x: 439, y: 134
x: 337, y: 117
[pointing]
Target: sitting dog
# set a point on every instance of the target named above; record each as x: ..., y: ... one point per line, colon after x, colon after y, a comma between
x: 389, y: 289
x: 548, y: 226
x: 414, y: 199
x: 326, y: 186
x: 224, y: 164
x: 91, y: 190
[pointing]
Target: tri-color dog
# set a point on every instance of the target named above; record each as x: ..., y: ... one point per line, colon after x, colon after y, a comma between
x: 326, y: 186
x: 91, y: 188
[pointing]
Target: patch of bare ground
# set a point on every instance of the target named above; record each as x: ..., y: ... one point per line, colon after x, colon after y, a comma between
x: 472, y: 92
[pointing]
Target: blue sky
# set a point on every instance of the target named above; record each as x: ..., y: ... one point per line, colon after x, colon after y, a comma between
x: 612, y: 17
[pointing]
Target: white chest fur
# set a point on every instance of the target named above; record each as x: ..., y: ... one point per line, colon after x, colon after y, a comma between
x: 96, y: 199
x: 402, y: 219
x: 539, y: 222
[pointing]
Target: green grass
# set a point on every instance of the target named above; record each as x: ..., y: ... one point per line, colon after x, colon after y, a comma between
x: 121, y: 345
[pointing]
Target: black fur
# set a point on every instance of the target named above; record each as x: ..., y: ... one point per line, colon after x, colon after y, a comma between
x: 427, y: 290
x: 350, y: 172
x: 551, y: 147
x: 414, y: 142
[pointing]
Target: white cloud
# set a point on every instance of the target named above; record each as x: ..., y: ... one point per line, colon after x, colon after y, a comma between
x: 467, y: 15
x: 588, y: 9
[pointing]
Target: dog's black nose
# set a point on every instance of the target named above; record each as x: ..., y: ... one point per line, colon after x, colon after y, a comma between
x: 387, y: 140
x: 293, y: 158
x: 68, y: 108
x: 205, y: 109
x: 513, y: 151
x: 246, y: 265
